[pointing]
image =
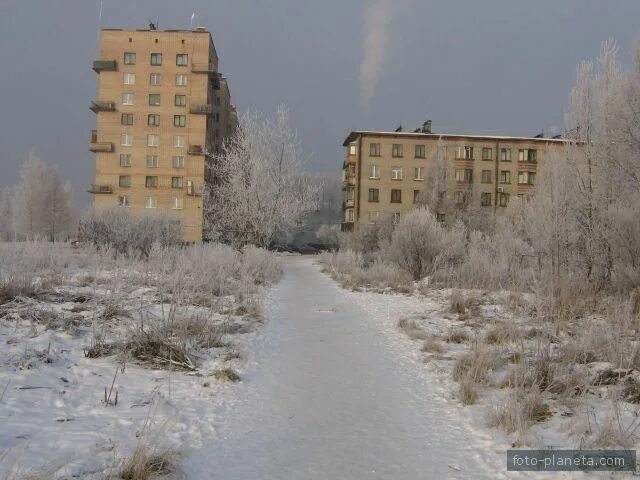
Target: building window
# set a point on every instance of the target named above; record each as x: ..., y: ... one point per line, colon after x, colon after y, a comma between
x: 464, y: 175
x: 125, y: 160
x: 418, y: 173
x: 505, y: 154
x: 177, y: 203
x: 374, y: 150
x: 126, y: 119
x: 176, y: 182
x: 396, y: 150
x: 416, y: 196
x: 150, y: 202
x: 486, y: 176
x: 124, y: 181
x: 151, y: 182
x: 442, y: 153
x: 375, y: 171
x: 126, y: 140
x: 177, y: 162
x: 374, y: 195
x: 352, y: 149
x: 152, y: 161
x: 420, y: 151
x: 123, y: 201
x: 179, y: 141
x: 485, y: 199
x: 129, y: 58
x: 504, y: 199
x: 179, y: 120
x: 526, y: 178
x: 487, y: 154
x: 395, y: 217
x: 396, y: 195
x: 464, y: 153
x: 154, y: 99
x: 505, y: 176
x: 181, y: 80
x: 461, y: 198
x: 181, y: 100
x: 529, y: 155
x: 129, y: 78
x: 155, y: 79
x: 127, y: 98
x: 348, y: 215
x: 373, y: 217
x: 153, y: 120
x: 440, y: 217
x: 396, y: 173
x: 182, y: 59
x: 153, y: 140
x: 156, y: 59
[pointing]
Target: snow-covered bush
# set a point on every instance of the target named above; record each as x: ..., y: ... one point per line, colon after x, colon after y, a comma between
x: 125, y: 232
x: 420, y: 243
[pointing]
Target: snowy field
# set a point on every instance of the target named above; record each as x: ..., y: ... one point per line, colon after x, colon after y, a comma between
x: 330, y: 386
x: 103, y: 358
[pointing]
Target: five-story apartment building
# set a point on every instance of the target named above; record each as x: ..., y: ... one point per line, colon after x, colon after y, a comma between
x: 161, y: 106
x: 386, y: 174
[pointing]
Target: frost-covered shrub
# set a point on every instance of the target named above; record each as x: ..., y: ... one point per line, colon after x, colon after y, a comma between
x: 383, y: 274
x: 420, y: 243
x: 124, y: 232
x: 501, y: 260
x: 260, y: 265
x: 367, y: 239
x: 209, y: 270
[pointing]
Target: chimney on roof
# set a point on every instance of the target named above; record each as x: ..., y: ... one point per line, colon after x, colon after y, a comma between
x: 152, y: 26
x: 426, y: 126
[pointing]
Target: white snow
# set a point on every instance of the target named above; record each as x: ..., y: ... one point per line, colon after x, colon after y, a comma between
x: 334, y: 390
x: 331, y: 389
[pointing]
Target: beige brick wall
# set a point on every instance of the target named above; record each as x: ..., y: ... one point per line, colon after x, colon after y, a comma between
x: 434, y: 146
x: 200, y: 50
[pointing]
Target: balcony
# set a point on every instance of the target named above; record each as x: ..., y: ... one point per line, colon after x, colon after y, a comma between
x: 100, y: 189
x: 196, y: 150
x: 193, y: 191
x: 100, y: 106
x: 208, y: 68
x: 96, y: 146
x: 201, y: 109
x: 105, y: 66
x: 349, y: 203
x: 349, y: 181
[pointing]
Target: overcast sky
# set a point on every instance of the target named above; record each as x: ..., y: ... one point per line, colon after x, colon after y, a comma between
x: 490, y: 66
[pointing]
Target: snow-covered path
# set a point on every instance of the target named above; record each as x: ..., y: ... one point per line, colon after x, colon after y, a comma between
x: 330, y: 394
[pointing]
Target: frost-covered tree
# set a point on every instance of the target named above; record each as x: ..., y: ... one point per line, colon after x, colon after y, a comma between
x: 42, y: 206
x: 258, y: 189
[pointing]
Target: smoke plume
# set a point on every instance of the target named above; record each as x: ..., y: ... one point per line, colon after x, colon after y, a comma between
x: 377, y: 17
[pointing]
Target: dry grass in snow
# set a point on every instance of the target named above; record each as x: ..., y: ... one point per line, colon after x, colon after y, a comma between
x: 100, y: 348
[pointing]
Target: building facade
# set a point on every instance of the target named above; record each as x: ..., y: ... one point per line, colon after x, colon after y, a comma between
x: 162, y: 105
x: 386, y: 174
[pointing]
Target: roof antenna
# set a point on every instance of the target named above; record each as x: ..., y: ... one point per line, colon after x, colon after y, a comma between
x: 399, y: 129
